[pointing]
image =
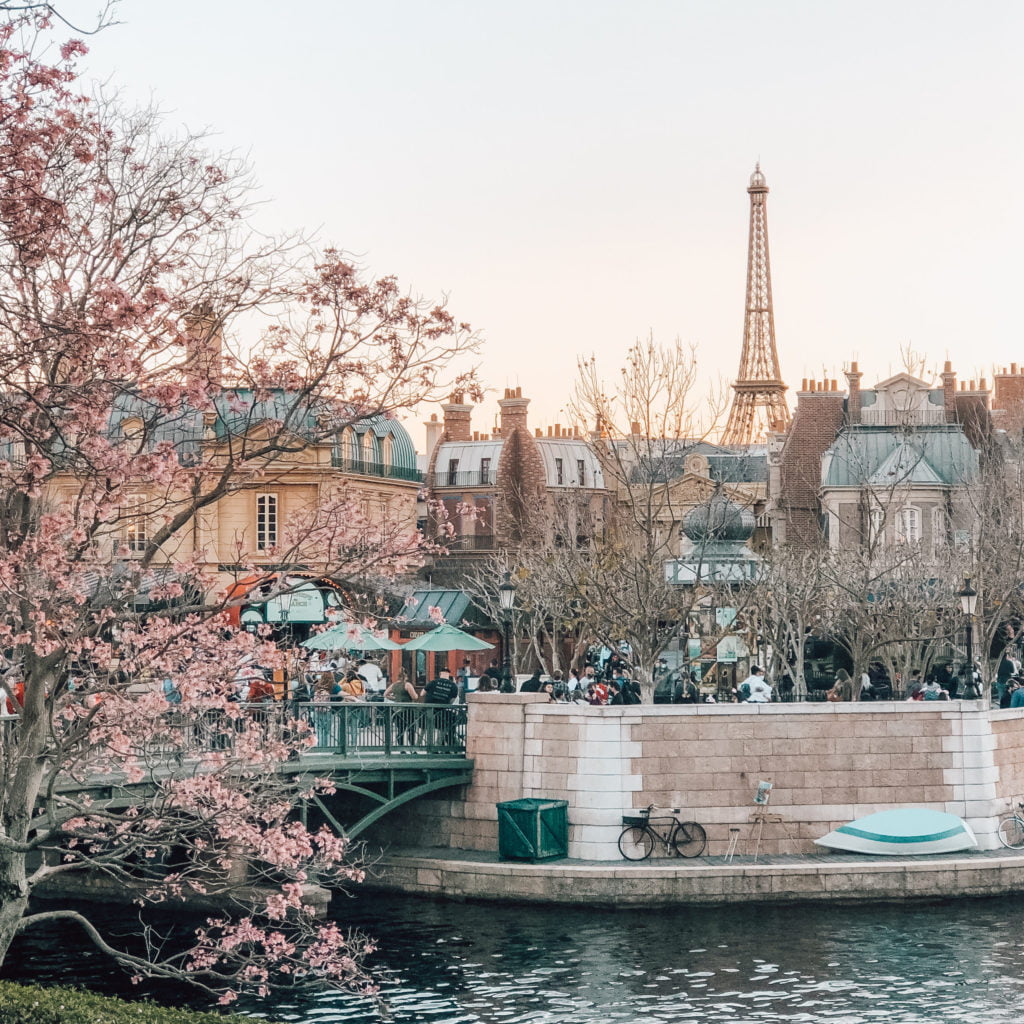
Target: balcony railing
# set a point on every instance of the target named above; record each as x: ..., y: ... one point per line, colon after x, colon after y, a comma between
x: 470, y: 478
x: 352, y: 727
x: 469, y: 542
x: 902, y: 417
x: 380, y: 469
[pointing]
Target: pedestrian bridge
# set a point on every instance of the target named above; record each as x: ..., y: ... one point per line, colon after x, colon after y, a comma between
x: 384, y: 755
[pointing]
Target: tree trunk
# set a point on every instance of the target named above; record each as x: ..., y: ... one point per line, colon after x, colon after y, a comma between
x: 14, y: 890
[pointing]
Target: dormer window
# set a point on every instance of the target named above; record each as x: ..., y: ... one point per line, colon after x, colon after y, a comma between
x: 133, y: 429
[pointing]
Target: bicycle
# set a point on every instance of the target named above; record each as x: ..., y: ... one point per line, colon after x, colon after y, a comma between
x: 1011, y: 830
x: 638, y: 838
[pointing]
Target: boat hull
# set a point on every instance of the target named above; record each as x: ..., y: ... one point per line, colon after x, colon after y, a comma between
x: 902, y: 832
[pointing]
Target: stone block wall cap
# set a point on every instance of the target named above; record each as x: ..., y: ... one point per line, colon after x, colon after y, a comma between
x: 507, y: 698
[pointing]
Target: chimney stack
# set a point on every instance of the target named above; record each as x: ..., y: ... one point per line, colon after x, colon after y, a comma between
x: 456, y: 418
x: 853, y: 378
x: 434, y: 429
x: 513, y: 411
x: 203, y: 345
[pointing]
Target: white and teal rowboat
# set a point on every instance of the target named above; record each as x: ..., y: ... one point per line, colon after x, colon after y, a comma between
x: 904, y: 831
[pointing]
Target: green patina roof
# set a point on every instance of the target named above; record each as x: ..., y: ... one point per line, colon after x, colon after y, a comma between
x: 453, y: 605
x: 238, y: 412
x: 934, y: 456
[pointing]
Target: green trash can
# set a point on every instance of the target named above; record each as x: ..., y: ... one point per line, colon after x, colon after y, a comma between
x: 532, y: 829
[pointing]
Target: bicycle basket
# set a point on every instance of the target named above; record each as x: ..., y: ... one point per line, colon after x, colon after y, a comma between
x: 638, y: 818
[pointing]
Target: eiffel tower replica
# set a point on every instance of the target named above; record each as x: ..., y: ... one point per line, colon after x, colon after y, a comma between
x: 759, y: 403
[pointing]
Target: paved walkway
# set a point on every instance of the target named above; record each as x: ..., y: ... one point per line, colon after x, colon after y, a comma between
x: 773, y: 878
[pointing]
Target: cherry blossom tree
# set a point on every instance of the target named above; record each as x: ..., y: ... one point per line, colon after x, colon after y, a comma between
x: 128, y: 411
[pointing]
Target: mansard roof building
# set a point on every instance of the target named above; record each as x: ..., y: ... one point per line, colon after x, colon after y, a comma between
x: 524, y: 486
x: 884, y: 465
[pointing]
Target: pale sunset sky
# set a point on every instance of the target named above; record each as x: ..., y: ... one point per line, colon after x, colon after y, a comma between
x: 573, y: 174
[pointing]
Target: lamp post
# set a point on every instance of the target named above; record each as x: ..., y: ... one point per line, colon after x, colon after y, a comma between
x: 968, y: 602
x: 507, y: 597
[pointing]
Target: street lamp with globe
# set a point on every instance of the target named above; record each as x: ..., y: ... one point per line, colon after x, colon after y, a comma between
x: 968, y: 602
x: 507, y: 597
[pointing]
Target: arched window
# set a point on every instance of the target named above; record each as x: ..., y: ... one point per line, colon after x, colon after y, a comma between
x: 347, y: 448
x: 369, y: 452
x: 385, y: 451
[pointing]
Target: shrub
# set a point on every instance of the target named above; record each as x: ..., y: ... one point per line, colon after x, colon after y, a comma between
x: 29, y: 1004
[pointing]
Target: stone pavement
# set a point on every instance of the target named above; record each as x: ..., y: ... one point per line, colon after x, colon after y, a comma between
x: 774, y: 878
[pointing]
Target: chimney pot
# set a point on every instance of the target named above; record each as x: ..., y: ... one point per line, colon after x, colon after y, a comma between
x: 853, y: 367
x: 1013, y: 367
x: 948, y: 368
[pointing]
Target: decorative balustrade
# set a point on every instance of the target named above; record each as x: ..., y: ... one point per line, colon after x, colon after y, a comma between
x: 902, y: 417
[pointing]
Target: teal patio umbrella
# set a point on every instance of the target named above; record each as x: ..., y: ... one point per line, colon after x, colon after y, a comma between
x: 447, y: 638
x: 349, y: 638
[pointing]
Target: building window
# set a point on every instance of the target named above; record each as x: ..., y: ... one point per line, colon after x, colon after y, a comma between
x: 137, y: 530
x: 581, y: 472
x: 266, y: 521
x: 347, y: 448
x: 386, y: 454
x: 368, y: 456
x: 938, y: 529
x: 485, y: 471
x: 908, y: 526
x: 559, y: 472
x: 876, y: 524
x: 453, y: 472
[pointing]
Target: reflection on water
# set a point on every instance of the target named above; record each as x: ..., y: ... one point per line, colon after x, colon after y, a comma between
x: 455, y: 963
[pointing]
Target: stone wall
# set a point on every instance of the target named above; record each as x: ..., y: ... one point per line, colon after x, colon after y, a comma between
x: 829, y: 764
x: 1008, y: 753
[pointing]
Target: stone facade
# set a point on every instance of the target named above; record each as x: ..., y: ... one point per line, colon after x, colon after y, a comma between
x: 829, y: 763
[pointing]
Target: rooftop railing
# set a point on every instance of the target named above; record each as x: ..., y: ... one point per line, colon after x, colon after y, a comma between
x: 468, y: 478
x: 380, y: 469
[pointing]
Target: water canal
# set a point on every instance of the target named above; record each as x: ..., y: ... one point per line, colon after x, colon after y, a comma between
x: 961, y: 961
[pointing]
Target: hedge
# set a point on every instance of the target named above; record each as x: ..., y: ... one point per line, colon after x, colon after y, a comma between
x: 28, y: 1004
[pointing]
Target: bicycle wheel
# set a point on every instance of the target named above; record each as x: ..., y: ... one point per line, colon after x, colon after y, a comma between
x: 636, y: 843
x: 689, y: 839
x: 1011, y: 833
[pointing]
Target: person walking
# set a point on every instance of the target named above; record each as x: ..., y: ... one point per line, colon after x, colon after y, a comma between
x: 758, y: 690
x: 402, y: 691
x: 442, y: 690
x: 462, y: 677
x: 842, y: 688
x: 532, y: 685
